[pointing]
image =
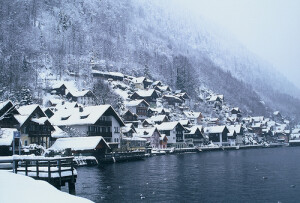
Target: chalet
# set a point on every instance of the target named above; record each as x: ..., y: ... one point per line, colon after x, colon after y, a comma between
x: 213, y: 121
x: 217, y: 134
x: 149, y: 96
x: 130, y: 117
x: 194, y: 117
x: 236, y: 112
x: 185, y: 123
x: 174, y: 132
x: 163, y: 89
x: 141, y: 82
x: 108, y: 75
x: 158, y: 111
x: 239, y: 131
x: 99, y: 120
x: 156, y: 83
x: 151, y: 134
x: 84, y: 146
x: 172, y: 100
x: 156, y: 120
x: 86, y: 97
x: 232, y: 120
x: 128, y: 130
x: 138, y: 107
x: 59, y: 89
x: 30, y: 120
x: 194, y: 136
x: 216, y: 101
x: 232, y: 136
x: 6, y: 141
x: 184, y: 96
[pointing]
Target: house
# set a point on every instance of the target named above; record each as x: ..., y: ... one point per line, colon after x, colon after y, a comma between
x: 217, y: 134
x: 108, y: 75
x: 239, y: 131
x: 59, y: 89
x: 156, y: 83
x: 99, y: 120
x: 85, y: 97
x: 156, y: 120
x: 138, y: 107
x: 141, y: 82
x: 158, y: 111
x: 134, y: 143
x: 174, y: 132
x: 216, y: 101
x: 149, y: 96
x: 151, y: 134
x: 163, y: 89
x: 84, y: 146
x: 256, y: 128
x: 236, y: 112
x: 194, y: 136
x: 128, y: 130
x: 172, y: 100
x: 194, y: 117
x: 277, y: 116
x: 6, y: 141
x: 29, y: 120
x: 184, y: 96
x: 213, y: 121
x: 129, y: 117
x: 185, y: 123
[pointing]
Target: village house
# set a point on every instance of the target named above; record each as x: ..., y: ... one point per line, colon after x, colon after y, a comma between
x: 213, y: 121
x: 85, y: 97
x: 156, y: 120
x: 128, y: 130
x: 149, y: 96
x: 172, y: 100
x: 174, y: 132
x: 194, y: 136
x: 59, y: 89
x: 99, y: 120
x: 84, y: 146
x: 116, y: 76
x: 216, y: 101
x: 156, y: 83
x: 194, y: 117
x: 185, y: 123
x: 152, y: 135
x: 30, y: 121
x: 218, y: 135
x: 138, y: 107
x: 163, y: 89
x: 141, y: 82
x: 236, y: 112
x: 183, y: 96
x: 129, y: 117
x: 239, y: 131
x: 6, y: 141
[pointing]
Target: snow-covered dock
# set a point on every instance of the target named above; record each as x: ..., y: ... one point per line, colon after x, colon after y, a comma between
x: 56, y: 171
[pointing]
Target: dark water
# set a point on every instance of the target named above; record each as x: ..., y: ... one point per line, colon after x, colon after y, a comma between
x: 225, y: 176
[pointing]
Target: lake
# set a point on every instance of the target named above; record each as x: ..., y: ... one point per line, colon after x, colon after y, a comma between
x: 252, y: 175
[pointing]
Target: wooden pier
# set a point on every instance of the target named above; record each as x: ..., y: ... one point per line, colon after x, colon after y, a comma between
x: 56, y: 171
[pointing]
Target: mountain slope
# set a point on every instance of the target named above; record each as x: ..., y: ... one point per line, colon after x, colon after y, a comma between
x: 69, y: 36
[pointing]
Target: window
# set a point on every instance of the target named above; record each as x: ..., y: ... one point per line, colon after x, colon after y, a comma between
x: 104, y: 129
x: 116, y: 130
x: 108, y: 129
x: 65, y: 118
x: 26, y: 143
x: 84, y: 116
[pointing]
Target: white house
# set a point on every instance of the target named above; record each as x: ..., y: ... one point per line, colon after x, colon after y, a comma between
x: 174, y: 132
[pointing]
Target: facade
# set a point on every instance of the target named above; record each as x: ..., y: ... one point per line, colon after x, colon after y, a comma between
x: 99, y: 120
x: 194, y: 136
x: 138, y: 107
x: 174, y: 132
x: 149, y: 96
x: 218, y: 135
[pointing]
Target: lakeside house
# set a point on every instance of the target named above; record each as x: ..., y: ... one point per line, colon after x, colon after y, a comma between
x: 29, y: 120
x: 194, y: 136
x: 152, y: 135
x: 174, y: 132
x: 149, y: 96
x: 194, y: 117
x: 99, y: 120
x: 138, y: 107
x: 217, y: 134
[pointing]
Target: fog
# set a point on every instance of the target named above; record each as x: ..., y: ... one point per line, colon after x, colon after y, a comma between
x: 268, y: 28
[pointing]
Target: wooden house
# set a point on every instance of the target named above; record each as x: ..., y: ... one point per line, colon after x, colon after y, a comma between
x: 59, y: 89
x: 149, y: 96
x: 172, y: 100
x: 86, y: 97
x: 138, y: 107
x: 152, y: 135
x: 99, y: 120
x: 194, y: 136
x: 236, y: 112
x: 116, y: 76
x: 217, y: 134
x: 174, y: 132
x: 193, y: 117
x: 129, y: 117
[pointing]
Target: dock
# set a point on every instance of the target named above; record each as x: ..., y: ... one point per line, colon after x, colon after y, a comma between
x: 56, y: 171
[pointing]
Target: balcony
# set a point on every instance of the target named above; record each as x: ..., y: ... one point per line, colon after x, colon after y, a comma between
x: 103, y: 134
x: 104, y: 123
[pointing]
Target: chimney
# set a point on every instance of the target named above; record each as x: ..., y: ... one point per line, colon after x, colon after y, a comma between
x: 80, y: 109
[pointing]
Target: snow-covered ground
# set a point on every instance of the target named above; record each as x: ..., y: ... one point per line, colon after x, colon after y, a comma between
x: 19, y: 188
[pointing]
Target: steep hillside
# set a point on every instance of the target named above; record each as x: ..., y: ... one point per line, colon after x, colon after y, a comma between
x: 46, y: 40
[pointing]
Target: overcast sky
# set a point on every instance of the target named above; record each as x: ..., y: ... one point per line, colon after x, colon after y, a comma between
x: 269, y: 28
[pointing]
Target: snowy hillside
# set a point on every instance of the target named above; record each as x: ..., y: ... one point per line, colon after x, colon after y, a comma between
x: 62, y: 39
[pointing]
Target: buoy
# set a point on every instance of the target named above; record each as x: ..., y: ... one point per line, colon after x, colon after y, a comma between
x: 293, y: 186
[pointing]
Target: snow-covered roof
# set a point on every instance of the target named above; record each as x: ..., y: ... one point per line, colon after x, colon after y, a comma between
x: 158, y: 118
x: 168, y: 125
x: 258, y: 118
x: 184, y: 122
x: 236, y: 128
x: 215, y: 129
x: 296, y: 131
x: 193, y: 129
x: 88, y: 116
x: 21, y: 119
x: 138, y: 80
x: 276, y: 113
x: 78, y: 143
x: 80, y: 93
x: 145, y: 132
x: 3, y: 104
x: 28, y: 109
x: 58, y: 133
x: 40, y: 121
x: 192, y: 114
x: 134, y: 138
x: 6, y: 136
x: 135, y: 102
x: 146, y: 93
x: 215, y: 97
